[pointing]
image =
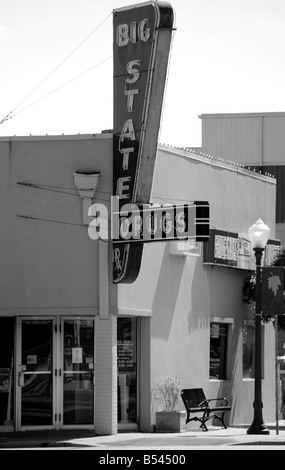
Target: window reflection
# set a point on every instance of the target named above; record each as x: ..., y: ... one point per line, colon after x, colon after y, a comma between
x: 218, y: 350
x: 37, y: 345
x: 78, y: 402
x: 37, y: 400
x: 127, y: 370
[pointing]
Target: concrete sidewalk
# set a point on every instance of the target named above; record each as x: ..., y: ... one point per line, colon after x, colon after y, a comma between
x: 233, y: 438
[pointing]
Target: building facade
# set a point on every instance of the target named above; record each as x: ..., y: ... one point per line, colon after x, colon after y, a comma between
x: 59, y: 337
x: 78, y: 351
x: 193, y: 321
x: 251, y: 139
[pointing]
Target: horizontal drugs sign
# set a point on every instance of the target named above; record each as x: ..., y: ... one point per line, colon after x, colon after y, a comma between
x: 150, y: 223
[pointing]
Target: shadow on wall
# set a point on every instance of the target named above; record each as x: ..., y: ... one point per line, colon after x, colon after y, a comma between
x: 233, y: 387
x: 209, y: 300
x: 167, y: 292
x: 226, y: 388
x: 199, y: 299
x: 180, y: 277
x: 188, y: 285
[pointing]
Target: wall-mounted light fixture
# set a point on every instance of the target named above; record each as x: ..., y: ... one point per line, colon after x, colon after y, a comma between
x: 86, y: 184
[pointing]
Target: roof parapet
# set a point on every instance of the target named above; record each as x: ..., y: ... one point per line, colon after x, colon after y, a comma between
x: 218, y: 161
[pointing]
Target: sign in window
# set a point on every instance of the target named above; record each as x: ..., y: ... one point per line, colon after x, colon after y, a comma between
x: 218, y: 350
x: 127, y: 370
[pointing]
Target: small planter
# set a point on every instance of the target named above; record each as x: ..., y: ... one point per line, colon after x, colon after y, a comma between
x: 170, y: 421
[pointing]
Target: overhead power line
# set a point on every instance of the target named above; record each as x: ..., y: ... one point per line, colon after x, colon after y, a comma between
x: 56, y: 89
x: 12, y: 112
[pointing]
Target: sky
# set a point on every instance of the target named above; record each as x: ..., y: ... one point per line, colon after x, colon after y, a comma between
x: 56, y: 73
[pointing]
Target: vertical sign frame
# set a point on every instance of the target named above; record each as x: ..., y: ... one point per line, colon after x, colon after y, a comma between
x: 141, y: 44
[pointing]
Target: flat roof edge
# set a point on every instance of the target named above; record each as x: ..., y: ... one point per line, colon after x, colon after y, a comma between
x: 243, y: 115
x: 26, y: 138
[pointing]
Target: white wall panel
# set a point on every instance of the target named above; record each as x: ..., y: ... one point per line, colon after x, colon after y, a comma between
x: 251, y: 139
x: 233, y: 138
x: 274, y: 140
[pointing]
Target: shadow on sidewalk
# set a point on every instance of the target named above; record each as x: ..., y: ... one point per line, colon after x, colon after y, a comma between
x: 60, y: 438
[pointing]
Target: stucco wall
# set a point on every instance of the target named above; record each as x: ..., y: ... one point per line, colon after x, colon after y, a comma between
x: 48, y: 264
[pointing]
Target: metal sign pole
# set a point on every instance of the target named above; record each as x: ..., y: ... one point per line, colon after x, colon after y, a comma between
x: 276, y: 375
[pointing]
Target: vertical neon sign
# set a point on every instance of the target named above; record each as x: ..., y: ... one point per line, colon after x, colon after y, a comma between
x: 142, y: 37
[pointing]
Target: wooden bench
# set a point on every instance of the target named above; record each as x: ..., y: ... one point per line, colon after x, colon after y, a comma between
x: 195, y: 403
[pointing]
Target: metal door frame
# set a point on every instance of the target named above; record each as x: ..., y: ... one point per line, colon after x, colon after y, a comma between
x: 57, y: 373
x: 18, y: 371
x: 61, y: 326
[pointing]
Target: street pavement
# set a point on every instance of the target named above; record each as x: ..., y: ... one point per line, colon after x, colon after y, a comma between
x: 233, y: 438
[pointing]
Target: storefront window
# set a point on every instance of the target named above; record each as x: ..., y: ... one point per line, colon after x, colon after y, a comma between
x: 218, y: 350
x: 127, y: 370
x: 78, y: 396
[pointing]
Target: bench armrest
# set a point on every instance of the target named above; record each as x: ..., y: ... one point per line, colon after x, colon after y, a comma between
x: 218, y: 399
x: 203, y: 403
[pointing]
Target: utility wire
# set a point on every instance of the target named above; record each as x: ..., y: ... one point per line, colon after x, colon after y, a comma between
x: 49, y: 220
x: 75, y: 194
x: 28, y: 217
x: 48, y: 186
x: 12, y: 113
x: 65, y: 190
x: 57, y: 89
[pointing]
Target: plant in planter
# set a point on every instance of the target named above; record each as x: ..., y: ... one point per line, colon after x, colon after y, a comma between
x: 167, y: 391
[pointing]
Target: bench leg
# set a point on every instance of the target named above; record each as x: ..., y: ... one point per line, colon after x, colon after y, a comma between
x: 206, y: 416
x: 201, y: 420
x: 221, y: 418
x: 203, y: 426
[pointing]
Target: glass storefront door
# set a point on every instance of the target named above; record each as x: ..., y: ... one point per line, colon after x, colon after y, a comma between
x: 127, y: 372
x: 37, y: 373
x: 56, y: 373
x: 78, y: 372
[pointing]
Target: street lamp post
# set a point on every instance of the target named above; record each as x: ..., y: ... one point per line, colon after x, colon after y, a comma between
x: 258, y: 235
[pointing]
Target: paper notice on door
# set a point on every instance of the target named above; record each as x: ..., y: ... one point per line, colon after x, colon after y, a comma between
x: 32, y: 359
x: 77, y: 355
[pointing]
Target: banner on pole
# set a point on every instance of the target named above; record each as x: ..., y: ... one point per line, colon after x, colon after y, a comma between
x: 272, y: 290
